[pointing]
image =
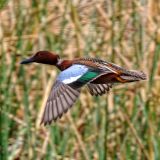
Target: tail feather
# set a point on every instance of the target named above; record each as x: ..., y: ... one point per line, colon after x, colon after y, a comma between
x: 131, y: 76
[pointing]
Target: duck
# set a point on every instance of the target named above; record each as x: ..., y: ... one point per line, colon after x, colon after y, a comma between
x: 98, y: 75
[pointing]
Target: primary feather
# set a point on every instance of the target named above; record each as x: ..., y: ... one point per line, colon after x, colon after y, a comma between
x: 61, y: 98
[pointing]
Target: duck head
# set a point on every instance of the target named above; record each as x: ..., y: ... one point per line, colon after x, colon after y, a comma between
x: 44, y: 57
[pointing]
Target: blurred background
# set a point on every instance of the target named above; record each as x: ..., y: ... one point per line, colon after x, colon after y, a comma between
x: 123, y: 124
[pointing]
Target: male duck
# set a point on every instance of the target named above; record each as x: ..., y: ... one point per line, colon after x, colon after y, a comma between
x: 97, y: 74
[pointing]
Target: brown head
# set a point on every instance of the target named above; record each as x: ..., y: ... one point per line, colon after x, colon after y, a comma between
x: 44, y: 57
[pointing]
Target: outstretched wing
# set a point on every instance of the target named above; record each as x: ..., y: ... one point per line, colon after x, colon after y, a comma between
x: 61, y: 98
x: 98, y: 89
x: 66, y: 90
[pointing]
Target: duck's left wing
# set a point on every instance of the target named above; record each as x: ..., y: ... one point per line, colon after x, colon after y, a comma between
x: 98, y: 89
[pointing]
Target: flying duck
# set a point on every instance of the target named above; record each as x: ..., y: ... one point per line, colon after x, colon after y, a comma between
x: 98, y: 75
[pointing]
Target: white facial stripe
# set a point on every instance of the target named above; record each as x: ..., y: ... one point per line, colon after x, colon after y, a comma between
x: 71, y: 79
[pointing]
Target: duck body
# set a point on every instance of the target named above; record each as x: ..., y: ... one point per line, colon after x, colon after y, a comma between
x: 98, y: 75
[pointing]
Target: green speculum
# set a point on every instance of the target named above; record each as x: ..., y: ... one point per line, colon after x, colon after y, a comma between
x: 88, y: 76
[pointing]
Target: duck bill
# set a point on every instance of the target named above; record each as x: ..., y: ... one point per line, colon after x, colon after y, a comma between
x: 26, y: 61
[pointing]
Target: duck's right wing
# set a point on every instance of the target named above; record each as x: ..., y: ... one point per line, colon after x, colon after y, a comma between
x: 66, y: 90
x: 61, y: 98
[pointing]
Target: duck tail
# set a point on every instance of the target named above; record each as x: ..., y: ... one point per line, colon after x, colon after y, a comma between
x: 131, y: 76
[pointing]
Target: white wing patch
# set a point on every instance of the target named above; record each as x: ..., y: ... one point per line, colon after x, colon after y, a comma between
x: 71, y: 79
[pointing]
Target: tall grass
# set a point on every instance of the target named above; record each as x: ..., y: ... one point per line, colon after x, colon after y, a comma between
x: 123, y: 124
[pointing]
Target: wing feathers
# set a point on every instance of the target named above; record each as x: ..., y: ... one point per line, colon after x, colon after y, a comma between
x: 58, y: 104
x: 98, y: 89
x: 50, y: 115
x: 55, y: 110
x: 61, y: 98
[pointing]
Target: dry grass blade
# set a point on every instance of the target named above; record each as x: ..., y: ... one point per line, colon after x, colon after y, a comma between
x: 79, y: 138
